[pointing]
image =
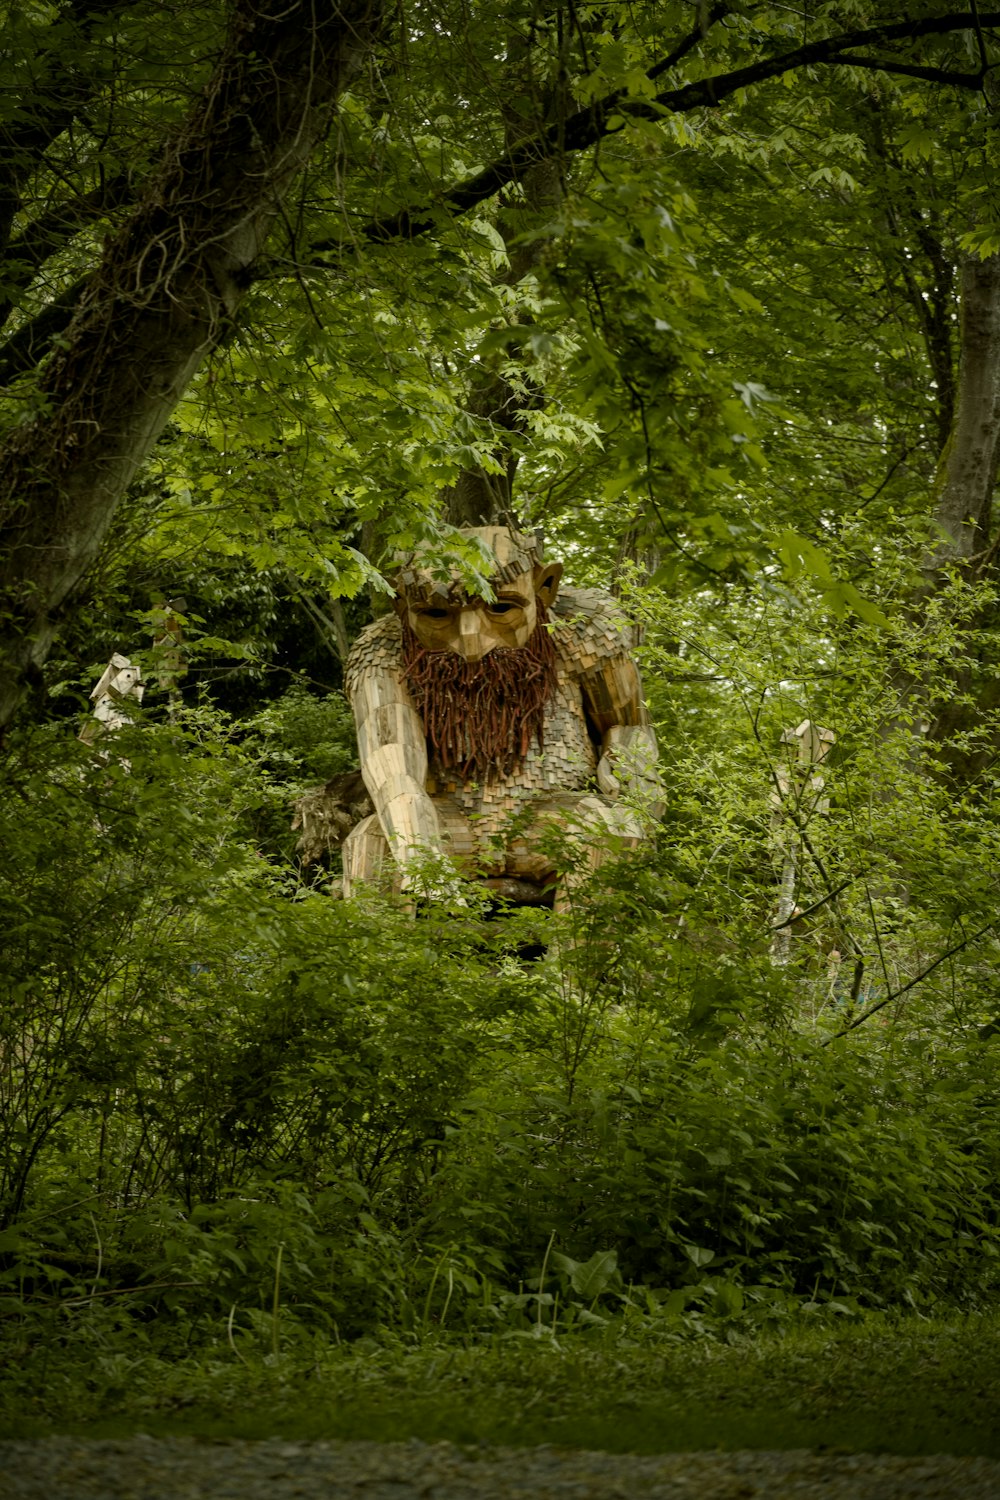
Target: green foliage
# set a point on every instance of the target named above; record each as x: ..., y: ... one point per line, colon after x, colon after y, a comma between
x: 729, y: 325
x: 239, y: 1116
x: 210, y: 1070
x: 312, y: 737
x: 242, y: 1119
x: 731, y: 1173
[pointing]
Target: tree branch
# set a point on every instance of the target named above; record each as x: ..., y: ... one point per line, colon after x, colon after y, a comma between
x: 51, y: 231
x: 169, y: 284
x: 904, y: 989
x: 62, y: 90
x: 798, y: 823
x: 588, y: 126
x: 800, y: 916
x: 913, y: 70
x: 980, y: 39
x: 28, y: 346
x: 716, y: 14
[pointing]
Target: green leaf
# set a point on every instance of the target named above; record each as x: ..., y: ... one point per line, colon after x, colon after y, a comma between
x: 801, y: 556
x: 728, y: 1300
x: 591, y: 1277
x: 843, y: 596
x: 699, y: 1255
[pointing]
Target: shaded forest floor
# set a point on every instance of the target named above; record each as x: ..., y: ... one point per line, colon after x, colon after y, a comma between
x: 907, y: 1386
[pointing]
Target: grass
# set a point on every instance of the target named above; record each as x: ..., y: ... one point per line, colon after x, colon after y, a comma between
x: 908, y: 1386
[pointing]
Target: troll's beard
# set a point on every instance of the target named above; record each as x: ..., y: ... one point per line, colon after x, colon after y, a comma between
x: 480, y: 717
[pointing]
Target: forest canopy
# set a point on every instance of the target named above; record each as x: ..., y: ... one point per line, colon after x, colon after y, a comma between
x: 707, y: 295
x: 285, y: 285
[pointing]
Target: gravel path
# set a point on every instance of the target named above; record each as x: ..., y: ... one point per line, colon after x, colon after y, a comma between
x: 145, y: 1468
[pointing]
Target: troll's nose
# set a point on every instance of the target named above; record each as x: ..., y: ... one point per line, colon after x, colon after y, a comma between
x: 475, y: 638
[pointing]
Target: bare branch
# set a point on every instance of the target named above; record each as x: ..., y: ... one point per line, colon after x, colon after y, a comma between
x: 28, y: 346
x: 800, y: 916
x: 904, y: 989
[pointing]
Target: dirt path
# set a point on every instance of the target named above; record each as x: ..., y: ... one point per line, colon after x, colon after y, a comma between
x: 144, y: 1468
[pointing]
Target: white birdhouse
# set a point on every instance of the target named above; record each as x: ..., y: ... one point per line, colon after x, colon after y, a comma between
x: 122, y: 679
x: 812, y: 743
x: 804, y: 748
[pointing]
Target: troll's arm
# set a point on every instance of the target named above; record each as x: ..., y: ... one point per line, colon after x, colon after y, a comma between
x: 613, y: 695
x: 597, y: 644
x: 393, y: 750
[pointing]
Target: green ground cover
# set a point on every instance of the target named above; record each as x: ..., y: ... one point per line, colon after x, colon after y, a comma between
x: 909, y: 1386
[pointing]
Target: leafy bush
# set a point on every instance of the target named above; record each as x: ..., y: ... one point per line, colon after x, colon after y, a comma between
x: 240, y: 1116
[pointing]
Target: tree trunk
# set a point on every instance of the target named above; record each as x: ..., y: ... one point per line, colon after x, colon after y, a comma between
x: 968, y: 471
x: 966, y: 480
x: 478, y: 498
x: 167, y: 288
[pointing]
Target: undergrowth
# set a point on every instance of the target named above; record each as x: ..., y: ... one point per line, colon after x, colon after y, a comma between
x: 253, y: 1139
x: 878, y: 1383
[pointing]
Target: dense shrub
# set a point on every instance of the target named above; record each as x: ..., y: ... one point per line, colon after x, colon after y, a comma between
x: 863, y: 1171
x: 232, y: 1107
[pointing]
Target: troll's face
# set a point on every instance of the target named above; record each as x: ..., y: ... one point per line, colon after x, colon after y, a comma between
x: 450, y: 620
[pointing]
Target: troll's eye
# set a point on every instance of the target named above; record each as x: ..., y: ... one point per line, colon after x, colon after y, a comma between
x: 434, y: 614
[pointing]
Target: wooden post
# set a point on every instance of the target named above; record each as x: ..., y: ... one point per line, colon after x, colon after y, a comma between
x: 168, y: 652
x: 798, y: 790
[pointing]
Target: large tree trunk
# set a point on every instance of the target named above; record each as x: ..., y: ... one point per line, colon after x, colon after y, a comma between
x: 968, y: 473
x: 166, y: 290
x: 967, y: 478
x: 478, y: 498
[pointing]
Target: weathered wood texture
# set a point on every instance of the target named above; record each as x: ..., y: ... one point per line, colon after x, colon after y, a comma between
x: 594, y: 744
x: 121, y: 680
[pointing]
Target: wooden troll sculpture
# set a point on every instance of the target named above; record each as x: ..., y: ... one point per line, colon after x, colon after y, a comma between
x: 491, y: 731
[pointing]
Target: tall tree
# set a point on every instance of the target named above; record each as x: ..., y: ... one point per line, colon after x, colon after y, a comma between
x: 168, y: 286
x: 429, y: 149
